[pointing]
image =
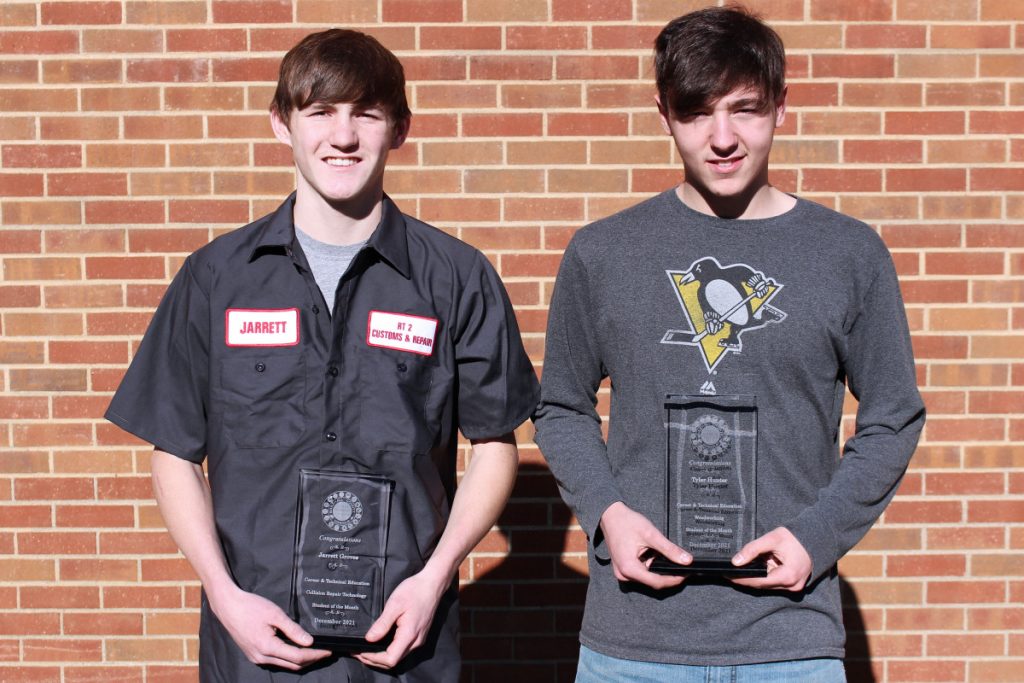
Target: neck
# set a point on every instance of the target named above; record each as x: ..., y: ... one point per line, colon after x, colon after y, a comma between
x: 763, y: 201
x: 338, y: 223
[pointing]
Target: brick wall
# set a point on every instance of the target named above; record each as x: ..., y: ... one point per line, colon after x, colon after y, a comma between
x: 133, y: 132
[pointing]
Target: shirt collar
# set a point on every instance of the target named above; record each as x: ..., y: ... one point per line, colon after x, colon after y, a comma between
x: 389, y: 239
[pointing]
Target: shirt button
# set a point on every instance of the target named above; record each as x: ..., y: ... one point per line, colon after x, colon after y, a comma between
x: 402, y: 367
x: 331, y: 436
x: 316, y: 309
x: 332, y: 371
x: 260, y: 367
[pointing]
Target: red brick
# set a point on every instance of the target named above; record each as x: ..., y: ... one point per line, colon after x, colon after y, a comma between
x: 38, y: 42
x: 994, y: 122
x: 102, y: 623
x: 209, y: 154
x: 97, y: 570
x: 460, y: 37
x: 422, y: 11
x: 81, y: 12
x: 987, y: 179
x: 591, y: 10
x: 23, y: 408
x: 124, y: 156
x: 510, y: 68
x: 49, y: 100
x: 127, y: 212
x: 121, y: 99
x: 995, y: 618
x: 124, y: 267
x: 901, y: 511
x: 117, y: 324
x: 1006, y: 291
x: 964, y: 93
x: 206, y: 39
x: 137, y: 543
x: 19, y: 241
x: 988, y: 511
x: 41, y: 156
x: 143, y: 597
x: 252, y: 11
x: 995, y: 236
x: 965, y: 538
x: 57, y: 543
x: 882, y: 151
x: 92, y: 516
x: 25, y: 516
x: 121, y: 40
x: 853, y: 66
x: 939, y: 207
x: 925, y: 122
x: 573, y: 67
x: 885, y: 35
x: 167, y: 12
x: 547, y: 37
x: 87, y: 184
x: 60, y: 597
x: 234, y: 211
x: 246, y: 69
x: 965, y: 263
x: 576, y: 124
x: 501, y: 125
x: 209, y: 97
x: 840, y: 180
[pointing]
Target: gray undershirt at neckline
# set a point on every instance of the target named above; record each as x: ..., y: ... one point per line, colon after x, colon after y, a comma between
x: 328, y: 262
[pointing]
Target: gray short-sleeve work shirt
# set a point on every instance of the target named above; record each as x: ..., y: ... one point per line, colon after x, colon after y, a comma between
x: 243, y: 366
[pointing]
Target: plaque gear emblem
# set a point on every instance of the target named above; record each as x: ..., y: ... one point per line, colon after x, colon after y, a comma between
x: 342, y: 511
x: 709, y: 437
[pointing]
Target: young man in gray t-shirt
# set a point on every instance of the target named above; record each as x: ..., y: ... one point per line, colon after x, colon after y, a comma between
x: 747, y: 296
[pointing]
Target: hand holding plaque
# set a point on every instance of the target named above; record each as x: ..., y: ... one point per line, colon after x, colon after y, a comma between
x: 341, y: 538
x: 711, y: 483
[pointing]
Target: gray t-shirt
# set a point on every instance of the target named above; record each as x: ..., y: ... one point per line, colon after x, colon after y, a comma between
x: 328, y: 262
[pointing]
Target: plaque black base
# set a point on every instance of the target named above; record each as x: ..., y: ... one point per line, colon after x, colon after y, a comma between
x: 710, y: 567
x: 344, y: 644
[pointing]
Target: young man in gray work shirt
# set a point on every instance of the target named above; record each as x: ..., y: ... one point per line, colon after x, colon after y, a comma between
x: 725, y: 287
x: 335, y: 334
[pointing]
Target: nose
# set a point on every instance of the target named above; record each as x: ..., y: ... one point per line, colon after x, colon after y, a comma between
x: 343, y: 132
x: 723, y: 137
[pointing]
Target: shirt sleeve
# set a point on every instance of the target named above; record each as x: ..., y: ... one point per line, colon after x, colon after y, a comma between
x: 497, y: 386
x: 163, y: 396
x: 568, y: 426
x: 879, y: 366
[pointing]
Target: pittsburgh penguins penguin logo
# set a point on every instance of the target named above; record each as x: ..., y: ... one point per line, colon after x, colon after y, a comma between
x: 721, y: 303
x: 342, y: 511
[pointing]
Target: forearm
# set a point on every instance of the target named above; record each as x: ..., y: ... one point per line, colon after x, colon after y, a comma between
x: 185, y: 502
x: 479, y: 500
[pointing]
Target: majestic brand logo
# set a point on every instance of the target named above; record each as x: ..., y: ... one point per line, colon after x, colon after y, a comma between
x: 401, y: 331
x: 342, y: 511
x: 260, y: 327
x: 721, y: 303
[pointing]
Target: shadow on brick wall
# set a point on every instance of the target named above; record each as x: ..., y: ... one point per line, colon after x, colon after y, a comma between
x: 520, y: 618
x: 858, y: 651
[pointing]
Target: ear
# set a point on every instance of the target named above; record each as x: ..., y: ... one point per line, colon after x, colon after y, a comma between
x: 400, y: 132
x: 662, y: 114
x: 280, y: 128
x: 780, y: 107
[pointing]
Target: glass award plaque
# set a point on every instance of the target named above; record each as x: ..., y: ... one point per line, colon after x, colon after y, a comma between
x: 711, y: 483
x: 341, y: 538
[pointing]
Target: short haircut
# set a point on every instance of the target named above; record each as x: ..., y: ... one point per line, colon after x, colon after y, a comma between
x: 341, y: 65
x: 704, y: 55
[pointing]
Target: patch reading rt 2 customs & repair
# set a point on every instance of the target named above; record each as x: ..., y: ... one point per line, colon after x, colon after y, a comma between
x: 402, y: 332
x: 258, y: 327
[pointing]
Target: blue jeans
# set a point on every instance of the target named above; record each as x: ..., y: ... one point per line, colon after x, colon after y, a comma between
x: 597, y: 668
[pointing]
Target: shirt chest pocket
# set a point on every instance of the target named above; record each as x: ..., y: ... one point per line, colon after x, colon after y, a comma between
x: 394, y: 389
x: 264, y: 399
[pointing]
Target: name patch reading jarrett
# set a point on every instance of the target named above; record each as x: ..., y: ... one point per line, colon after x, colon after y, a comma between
x: 402, y: 332
x: 254, y: 327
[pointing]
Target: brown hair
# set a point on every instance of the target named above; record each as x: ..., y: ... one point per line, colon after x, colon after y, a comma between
x: 341, y: 65
x: 704, y: 55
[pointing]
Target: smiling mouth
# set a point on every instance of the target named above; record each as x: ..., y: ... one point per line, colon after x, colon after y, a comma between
x: 725, y: 165
x: 338, y: 161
